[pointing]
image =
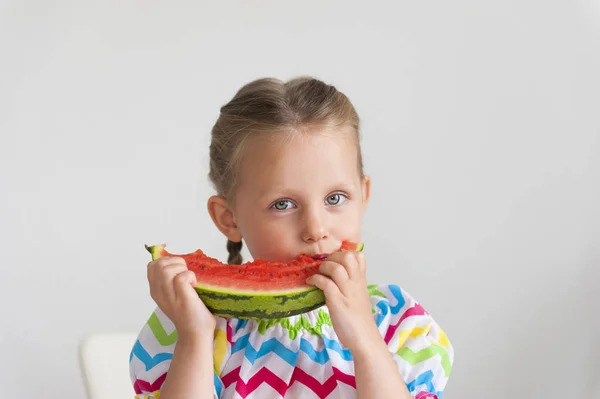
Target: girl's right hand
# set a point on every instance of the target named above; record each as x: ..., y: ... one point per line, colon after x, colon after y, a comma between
x: 172, y: 288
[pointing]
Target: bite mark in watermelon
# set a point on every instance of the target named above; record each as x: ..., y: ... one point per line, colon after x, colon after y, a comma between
x: 254, y: 290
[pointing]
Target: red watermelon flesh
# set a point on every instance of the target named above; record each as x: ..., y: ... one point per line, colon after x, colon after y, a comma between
x: 258, y: 276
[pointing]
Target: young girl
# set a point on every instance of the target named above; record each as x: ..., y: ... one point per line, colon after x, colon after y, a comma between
x: 286, y: 163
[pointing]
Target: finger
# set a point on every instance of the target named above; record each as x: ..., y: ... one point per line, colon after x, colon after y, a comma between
x: 161, y: 274
x: 183, y: 285
x: 362, y: 263
x: 159, y: 264
x: 327, y: 285
x: 173, y: 269
x: 335, y: 272
x: 170, y: 260
x: 349, y: 261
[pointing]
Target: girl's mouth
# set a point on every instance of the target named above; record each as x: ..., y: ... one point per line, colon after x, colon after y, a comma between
x: 320, y: 256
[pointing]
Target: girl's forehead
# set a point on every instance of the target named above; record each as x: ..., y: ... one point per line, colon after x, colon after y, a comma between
x: 299, y: 158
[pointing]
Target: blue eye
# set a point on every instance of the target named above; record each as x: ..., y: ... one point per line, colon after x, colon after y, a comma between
x: 336, y: 199
x: 283, y: 205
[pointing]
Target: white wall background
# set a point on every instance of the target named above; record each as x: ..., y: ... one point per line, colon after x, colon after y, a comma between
x: 481, y: 132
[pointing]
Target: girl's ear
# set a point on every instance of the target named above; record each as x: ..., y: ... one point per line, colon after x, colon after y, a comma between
x: 366, y: 190
x: 222, y: 216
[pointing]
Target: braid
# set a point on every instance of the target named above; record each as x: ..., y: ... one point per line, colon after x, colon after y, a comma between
x: 235, y: 252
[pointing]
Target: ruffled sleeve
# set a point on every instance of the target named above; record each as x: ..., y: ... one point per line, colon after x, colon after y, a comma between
x: 420, y: 347
x: 152, y: 352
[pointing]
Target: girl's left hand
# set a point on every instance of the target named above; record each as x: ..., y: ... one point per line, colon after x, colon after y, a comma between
x: 343, y: 279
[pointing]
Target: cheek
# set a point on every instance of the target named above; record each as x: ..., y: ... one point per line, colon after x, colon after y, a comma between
x: 348, y: 225
x: 268, y: 239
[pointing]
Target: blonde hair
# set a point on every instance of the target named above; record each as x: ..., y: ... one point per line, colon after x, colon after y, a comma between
x: 270, y: 106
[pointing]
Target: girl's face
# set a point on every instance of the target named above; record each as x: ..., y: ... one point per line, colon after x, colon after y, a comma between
x: 300, y: 194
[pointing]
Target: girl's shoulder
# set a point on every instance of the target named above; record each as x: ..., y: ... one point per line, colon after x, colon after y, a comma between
x: 392, y: 300
x: 398, y: 313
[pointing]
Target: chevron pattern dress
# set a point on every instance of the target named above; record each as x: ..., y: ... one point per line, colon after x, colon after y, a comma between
x: 301, y: 356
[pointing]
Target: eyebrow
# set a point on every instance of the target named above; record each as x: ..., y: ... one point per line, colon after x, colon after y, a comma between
x: 342, y: 187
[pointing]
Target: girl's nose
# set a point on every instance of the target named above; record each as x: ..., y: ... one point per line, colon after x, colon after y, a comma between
x: 313, y: 228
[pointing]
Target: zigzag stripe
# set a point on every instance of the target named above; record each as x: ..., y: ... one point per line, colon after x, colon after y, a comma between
x: 218, y: 386
x: 159, y: 331
x: 374, y: 291
x: 384, y: 305
x: 270, y: 346
x: 241, y: 324
x: 149, y: 361
x: 427, y: 353
x: 443, y: 339
x: 414, y: 333
x: 219, y: 349
x: 397, y: 293
x: 240, y: 344
x: 335, y: 346
x: 426, y: 379
x: 264, y: 375
x: 416, y: 310
x: 229, y: 334
x: 323, y: 390
x: 274, y: 346
x: 141, y: 386
x: 320, y: 357
x: 427, y: 395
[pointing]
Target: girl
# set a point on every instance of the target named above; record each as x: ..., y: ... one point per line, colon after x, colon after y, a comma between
x: 286, y: 163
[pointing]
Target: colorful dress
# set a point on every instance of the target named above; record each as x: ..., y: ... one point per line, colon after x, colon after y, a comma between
x: 301, y: 356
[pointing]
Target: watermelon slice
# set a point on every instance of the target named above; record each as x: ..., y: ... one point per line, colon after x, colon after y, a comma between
x: 257, y: 289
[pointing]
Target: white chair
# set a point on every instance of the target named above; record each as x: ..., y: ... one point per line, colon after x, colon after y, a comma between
x: 104, y: 364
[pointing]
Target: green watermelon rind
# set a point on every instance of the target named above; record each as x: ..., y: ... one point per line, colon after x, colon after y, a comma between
x: 261, y: 306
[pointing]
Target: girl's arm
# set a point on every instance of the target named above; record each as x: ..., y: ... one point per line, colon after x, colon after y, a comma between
x: 376, y: 372
x: 191, y: 372
x: 176, y: 364
x: 402, y: 353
